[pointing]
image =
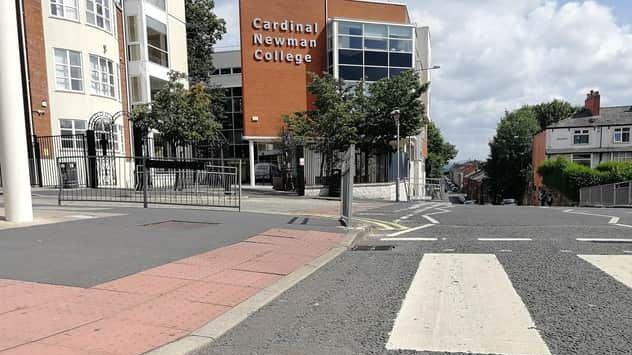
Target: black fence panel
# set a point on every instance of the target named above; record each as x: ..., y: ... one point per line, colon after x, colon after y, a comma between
x: 46, y: 151
x: 190, y: 182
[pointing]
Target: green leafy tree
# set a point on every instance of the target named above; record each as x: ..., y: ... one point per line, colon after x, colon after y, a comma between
x: 508, y: 165
x: 204, y: 29
x: 401, y: 92
x: 440, y: 152
x: 333, y: 125
x: 182, y: 115
x: 552, y: 112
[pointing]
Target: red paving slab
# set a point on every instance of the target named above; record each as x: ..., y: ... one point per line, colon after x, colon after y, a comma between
x: 143, y: 284
x: 244, y: 278
x: 181, y: 271
x: 116, y: 336
x: 137, y: 313
x: 45, y: 349
x: 215, y: 293
x: 173, y: 312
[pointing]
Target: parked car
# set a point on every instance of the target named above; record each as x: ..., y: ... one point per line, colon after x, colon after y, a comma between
x: 509, y: 202
x: 265, y: 172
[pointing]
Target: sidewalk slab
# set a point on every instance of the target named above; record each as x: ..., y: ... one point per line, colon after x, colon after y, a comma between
x: 143, y: 311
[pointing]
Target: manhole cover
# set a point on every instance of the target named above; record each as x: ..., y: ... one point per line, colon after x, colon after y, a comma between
x: 373, y: 247
x: 179, y: 225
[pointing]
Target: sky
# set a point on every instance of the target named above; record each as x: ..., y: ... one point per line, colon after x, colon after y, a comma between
x: 498, y: 55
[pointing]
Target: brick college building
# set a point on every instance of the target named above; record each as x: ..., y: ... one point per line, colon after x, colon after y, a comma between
x: 283, y: 41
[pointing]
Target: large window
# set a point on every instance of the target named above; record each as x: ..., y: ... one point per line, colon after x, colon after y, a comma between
x: 157, y: 3
x: 583, y: 159
x: 68, y: 130
x: 133, y: 39
x: 622, y: 156
x: 64, y: 8
x: 622, y: 135
x: 114, y: 131
x: 99, y: 13
x: 136, y: 89
x: 233, y: 122
x: 372, y: 52
x: 157, y: 42
x: 581, y: 136
x: 68, y: 72
x: 103, y: 77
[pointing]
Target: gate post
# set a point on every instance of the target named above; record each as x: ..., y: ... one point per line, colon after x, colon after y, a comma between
x: 145, y: 181
x: 92, y: 159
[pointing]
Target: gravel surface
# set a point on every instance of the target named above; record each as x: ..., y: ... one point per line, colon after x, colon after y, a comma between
x: 349, y: 306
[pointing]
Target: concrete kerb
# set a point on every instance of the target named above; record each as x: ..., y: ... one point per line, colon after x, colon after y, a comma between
x: 219, y: 326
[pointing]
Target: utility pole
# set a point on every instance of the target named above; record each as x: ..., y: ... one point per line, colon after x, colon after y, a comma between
x: 18, y: 205
x: 396, y: 114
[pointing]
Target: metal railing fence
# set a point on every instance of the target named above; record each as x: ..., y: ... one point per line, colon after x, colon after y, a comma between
x: 610, y: 195
x: 190, y: 182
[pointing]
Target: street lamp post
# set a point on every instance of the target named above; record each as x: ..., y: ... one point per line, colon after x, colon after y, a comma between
x: 396, y: 114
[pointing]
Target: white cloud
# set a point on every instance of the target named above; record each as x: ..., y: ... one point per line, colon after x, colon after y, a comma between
x: 501, y: 54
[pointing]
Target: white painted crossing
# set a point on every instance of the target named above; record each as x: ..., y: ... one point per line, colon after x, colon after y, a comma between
x: 412, y: 239
x: 410, y: 230
x: 617, y: 266
x: 464, y: 303
x: 504, y: 239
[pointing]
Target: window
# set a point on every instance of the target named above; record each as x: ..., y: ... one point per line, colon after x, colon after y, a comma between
x: 157, y: 3
x: 350, y: 42
x: 224, y: 71
x: 68, y: 72
x: 350, y: 28
x: 373, y: 30
x: 111, y: 130
x: 583, y: 159
x: 157, y: 42
x: 622, y: 135
x: 350, y: 72
x: 64, y: 8
x: 401, y: 60
x: 68, y: 130
x: 376, y: 73
x: 236, y: 70
x: 133, y: 39
x: 398, y: 45
x: 103, y: 76
x: 622, y: 156
x: 99, y: 13
x: 400, y: 32
x: 136, y: 89
x: 376, y: 58
x: 375, y: 43
x: 580, y: 136
x: 350, y: 57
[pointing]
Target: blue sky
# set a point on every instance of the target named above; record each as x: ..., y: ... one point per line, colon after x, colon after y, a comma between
x: 498, y: 55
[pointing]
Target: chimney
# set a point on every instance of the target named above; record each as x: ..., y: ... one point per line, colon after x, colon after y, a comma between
x: 593, y: 102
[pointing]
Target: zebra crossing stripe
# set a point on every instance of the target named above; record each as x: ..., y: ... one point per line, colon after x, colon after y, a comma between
x: 464, y: 303
x: 617, y: 266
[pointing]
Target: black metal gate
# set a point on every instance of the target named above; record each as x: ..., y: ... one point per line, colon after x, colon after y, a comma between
x: 45, y: 150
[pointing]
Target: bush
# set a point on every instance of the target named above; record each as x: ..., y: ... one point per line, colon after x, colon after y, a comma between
x: 568, y: 177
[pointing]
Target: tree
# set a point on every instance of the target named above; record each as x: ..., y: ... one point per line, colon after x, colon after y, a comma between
x: 332, y: 125
x: 204, y: 29
x: 552, y: 112
x: 508, y: 165
x: 440, y: 152
x: 401, y: 92
x: 182, y: 115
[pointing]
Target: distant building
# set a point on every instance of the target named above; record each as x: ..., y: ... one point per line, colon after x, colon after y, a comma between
x: 601, y: 135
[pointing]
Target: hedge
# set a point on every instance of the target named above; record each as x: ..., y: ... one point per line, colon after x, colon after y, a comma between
x: 568, y: 177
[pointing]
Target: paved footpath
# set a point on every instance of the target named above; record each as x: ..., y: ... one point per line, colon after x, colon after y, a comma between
x: 132, y: 286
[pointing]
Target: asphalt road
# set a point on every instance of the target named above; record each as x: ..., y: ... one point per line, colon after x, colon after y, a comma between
x: 351, y: 305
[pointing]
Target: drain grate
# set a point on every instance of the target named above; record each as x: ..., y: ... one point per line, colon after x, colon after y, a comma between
x: 373, y: 247
x: 179, y: 225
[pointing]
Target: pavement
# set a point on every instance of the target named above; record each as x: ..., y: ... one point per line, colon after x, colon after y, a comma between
x: 108, y: 279
x: 443, y: 279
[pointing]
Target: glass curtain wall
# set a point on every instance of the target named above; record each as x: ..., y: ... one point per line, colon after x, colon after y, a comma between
x: 370, y: 52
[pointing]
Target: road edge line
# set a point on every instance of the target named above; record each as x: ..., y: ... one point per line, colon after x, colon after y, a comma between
x: 208, y: 333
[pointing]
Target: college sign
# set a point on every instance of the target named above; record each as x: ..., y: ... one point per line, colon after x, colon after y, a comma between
x: 277, y: 42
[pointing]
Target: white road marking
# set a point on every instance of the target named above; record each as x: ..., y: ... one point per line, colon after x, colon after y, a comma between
x: 409, y: 239
x: 82, y: 216
x: 464, y: 303
x: 430, y: 219
x: 505, y: 239
x: 617, y: 266
x: 410, y: 230
x: 623, y: 225
x: 614, y: 220
x: 604, y: 240
x: 441, y: 211
x: 506, y: 250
